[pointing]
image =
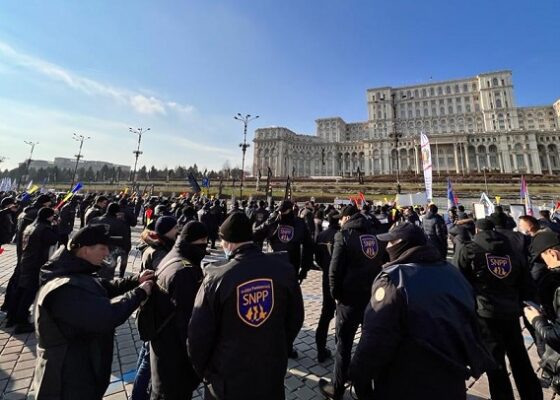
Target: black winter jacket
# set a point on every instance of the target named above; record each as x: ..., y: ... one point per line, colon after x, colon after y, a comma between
x: 500, y: 280
x: 119, y: 230
x: 357, y: 258
x: 76, y: 314
x: 247, y: 314
x: 36, y: 245
x: 7, y: 226
x: 178, y: 281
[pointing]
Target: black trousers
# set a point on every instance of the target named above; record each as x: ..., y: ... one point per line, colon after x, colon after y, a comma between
x: 503, y: 338
x: 23, y: 299
x: 327, y: 314
x: 10, y: 294
x: 348, y: 319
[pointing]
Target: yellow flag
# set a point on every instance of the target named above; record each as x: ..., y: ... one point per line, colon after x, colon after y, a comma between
x: 33, y: 189
x: 498, y: 199
x: 70, y: 194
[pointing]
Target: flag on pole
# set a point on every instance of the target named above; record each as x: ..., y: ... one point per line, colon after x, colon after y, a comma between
x: 362, y: 198
x: 194, y: 184
x: 525, y: 197
x: 451, y: 199
x: 71, y: 193
x: 488, y: 205
x: 288, y: 190
x: 426, y: 164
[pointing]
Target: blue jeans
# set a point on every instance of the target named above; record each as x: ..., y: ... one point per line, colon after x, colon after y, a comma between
x: 141, y: 389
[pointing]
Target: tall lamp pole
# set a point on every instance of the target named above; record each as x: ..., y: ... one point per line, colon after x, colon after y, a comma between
x: 139, y: 132
x: 395, y: 135
x: 81, y: 139
x: 245, y: 120
x: 32, y: 144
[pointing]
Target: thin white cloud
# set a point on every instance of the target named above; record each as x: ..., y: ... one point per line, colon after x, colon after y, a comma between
x: 142, y: 104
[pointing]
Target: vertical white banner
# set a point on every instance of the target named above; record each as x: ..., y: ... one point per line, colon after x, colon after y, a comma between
x: 426, y: 164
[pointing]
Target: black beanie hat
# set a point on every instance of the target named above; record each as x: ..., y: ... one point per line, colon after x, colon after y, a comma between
x: 192, y: 231
x: 165, y: 224
x: 7, y: 201
x: 113, y: 209
x: 236, y: 229
x: 45, y: 213
x: 42, y: 199
x: 484, y: 224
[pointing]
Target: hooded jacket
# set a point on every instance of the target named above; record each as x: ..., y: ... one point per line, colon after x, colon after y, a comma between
x: 36, y: 245
x: 356, y: 260
x: 178, y: 280
x: 419, y: 337
x: 76, y: 314
x: 500, y: 281
x: 247, y: 314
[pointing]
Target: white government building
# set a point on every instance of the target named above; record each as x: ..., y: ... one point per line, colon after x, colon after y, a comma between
x: 473, y: 125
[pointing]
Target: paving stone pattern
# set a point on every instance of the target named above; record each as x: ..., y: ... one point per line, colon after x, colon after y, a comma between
x: 17, y: 352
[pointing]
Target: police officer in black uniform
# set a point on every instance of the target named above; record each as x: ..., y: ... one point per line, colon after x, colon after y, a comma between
x: 356, y: 261
x: 246, y: 316
x: 323, y: 254
x: 419, y: 335
x: 501, y: 282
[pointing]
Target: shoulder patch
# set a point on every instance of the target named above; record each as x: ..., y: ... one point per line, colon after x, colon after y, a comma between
x: 369, y: 245
x: 499, y: 266
x: 379, y: 294
x: 285, y: 233
x: 255, y: 301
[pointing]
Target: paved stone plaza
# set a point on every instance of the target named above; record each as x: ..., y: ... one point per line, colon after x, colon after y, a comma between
x: 17, y: 352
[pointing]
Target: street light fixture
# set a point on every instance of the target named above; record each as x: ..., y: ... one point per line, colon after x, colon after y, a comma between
x: 81, y: 139
x: 245, y: 120
x: 139, y: 132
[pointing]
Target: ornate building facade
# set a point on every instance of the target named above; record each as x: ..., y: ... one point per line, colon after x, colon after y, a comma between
x: 473, y: 125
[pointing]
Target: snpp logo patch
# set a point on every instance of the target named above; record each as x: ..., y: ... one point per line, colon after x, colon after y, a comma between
x: 499, y: 266
x: 285, y: 233
x: 255, y: 301
x: 370, y: 246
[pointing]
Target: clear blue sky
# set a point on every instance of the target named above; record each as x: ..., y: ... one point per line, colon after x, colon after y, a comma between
x: 184, y: 68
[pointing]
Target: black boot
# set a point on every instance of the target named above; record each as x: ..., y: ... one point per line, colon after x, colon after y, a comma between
x: 327, y: 389
x: 323, y: 355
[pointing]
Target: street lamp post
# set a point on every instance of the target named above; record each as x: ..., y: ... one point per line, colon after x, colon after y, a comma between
x: 245, y: 120
x: 81, y: 139
x: 32, y: 145
x: 137, y: 153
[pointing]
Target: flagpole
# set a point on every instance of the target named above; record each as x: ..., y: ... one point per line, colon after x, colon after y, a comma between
x: 437, y: 155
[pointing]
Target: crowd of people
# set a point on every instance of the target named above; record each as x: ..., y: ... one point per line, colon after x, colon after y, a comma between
x: 439, y: 299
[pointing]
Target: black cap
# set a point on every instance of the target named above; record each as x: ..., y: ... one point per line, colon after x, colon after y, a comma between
x: 286, y: 205
x: 350, y: 210
x: 406, y: 231
x: 236, y: 229
x: 484, y: 224
x: 543, y: 241
x: 90, y: 236
x: 193, y: 231
x: 164, y: 224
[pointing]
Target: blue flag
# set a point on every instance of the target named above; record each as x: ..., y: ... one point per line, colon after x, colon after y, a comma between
x: 451, y: 199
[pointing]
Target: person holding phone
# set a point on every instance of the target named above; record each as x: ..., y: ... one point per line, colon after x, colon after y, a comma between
x: 546, y: 319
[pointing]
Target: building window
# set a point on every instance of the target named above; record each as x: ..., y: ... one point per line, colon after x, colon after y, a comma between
x: 439, y: 91
x: 417, y: 112
x: 498, y: 103
x: 432, y: 92
x: 468, y: 108
x: 456, y: 88
x: 465, y: 87
x: 423, y: 92
x: 442, y: 110
x: 459, y: 108
x: 450, y: 109
x: 416, y: 93
x: 447, y: 90
x: 495, y: 82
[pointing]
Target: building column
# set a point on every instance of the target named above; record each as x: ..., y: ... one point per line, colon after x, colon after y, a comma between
x: 526, y: 158
x: 537, y: 168
x: 477, y: 161
x: 416, y: 162
x: 456, y: 158
x: 466, y: 156
x: 548, y: 162
x: 514, y: 166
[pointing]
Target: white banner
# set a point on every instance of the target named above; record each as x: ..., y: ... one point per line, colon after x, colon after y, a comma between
x: 426, y: 164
